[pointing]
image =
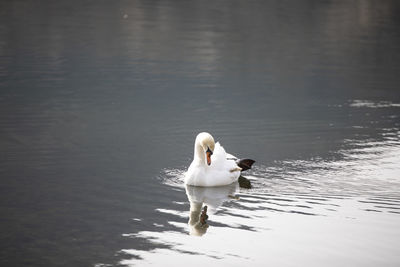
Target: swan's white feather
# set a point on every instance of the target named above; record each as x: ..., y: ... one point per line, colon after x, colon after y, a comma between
x: 217, y: 174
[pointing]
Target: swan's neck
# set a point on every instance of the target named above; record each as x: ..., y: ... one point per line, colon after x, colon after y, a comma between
x: 199, y: 154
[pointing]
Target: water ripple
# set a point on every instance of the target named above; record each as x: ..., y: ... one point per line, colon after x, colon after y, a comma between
x: 284, y: 190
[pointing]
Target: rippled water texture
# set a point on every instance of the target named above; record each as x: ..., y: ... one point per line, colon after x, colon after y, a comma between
x: 100, y: 102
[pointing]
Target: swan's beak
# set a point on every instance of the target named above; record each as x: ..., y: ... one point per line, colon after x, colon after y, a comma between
x: 209, y: 153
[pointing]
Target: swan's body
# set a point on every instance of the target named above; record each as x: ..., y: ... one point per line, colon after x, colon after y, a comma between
x: 211, y: 165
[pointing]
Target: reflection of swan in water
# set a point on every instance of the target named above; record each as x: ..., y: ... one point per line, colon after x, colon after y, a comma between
x: 209, y: 197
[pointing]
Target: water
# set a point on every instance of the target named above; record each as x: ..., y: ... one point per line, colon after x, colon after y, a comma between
x: 101, y: 101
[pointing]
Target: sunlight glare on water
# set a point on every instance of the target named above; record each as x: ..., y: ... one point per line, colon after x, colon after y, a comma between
x: 309, y: 211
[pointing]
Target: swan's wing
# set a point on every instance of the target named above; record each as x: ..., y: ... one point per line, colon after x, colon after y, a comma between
x: 231, y: 157
x: 218, y: 156
x: 228, y: 161
x: 220, y: 153
x: 220, y: 160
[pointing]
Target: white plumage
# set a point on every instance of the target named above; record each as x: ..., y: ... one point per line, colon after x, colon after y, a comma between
x: 223, y: 169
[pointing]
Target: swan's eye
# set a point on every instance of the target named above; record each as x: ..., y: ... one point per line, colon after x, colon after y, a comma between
x: 209, y: 151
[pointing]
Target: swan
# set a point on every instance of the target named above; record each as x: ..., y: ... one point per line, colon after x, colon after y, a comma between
x: 212, y: 166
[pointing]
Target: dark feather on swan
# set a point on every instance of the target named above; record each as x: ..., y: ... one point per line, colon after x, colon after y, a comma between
x: 245, y: 164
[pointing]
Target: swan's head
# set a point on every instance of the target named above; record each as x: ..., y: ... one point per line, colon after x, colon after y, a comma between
x: 206, y: 141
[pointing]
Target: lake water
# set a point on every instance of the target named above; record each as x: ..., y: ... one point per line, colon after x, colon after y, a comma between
x: 100, y: 102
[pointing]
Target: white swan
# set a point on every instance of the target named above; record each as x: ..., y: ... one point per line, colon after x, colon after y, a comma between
x: 211, y: 165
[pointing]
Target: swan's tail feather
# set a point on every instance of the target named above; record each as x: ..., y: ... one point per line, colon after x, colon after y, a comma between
x: 245, y: 164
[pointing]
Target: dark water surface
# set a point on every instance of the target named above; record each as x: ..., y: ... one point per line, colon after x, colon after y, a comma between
x: 100, y: 102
